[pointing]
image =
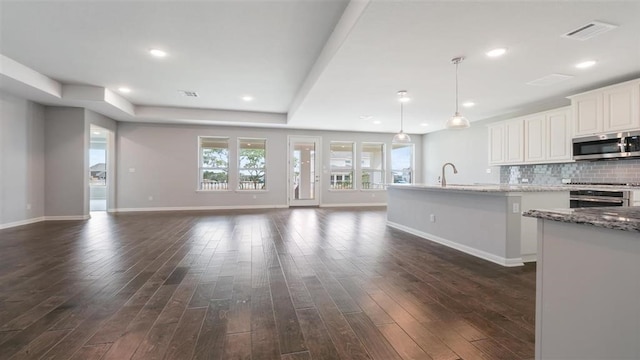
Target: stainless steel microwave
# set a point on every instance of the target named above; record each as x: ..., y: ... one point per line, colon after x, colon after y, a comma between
x: 608, y: 146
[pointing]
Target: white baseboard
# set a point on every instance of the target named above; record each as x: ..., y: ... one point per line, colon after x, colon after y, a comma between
x: 197, y: 208
x: 43, y: 218
x: 21, y: 222
x: 530, y: 258
x: 508, y: 262
x: 353, y: 205
x: 67, y: 217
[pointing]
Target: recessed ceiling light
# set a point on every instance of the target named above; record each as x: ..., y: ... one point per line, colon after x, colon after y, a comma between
x: 125, y: 90
x: 468, y: 104
x: 424, y: 124
x: 496, y: 52
x: 377, y: 122
x: 247, y: 98
x: 586, y: 64
x: 157, y: 53
x: 366, y: 117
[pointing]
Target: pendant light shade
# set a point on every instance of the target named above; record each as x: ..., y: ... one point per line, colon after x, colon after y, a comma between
x: 457, y: 121
x: 402, y: 137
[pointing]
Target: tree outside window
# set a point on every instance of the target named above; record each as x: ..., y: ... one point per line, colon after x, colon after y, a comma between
x: 214, y: 163
x: 252, y: 164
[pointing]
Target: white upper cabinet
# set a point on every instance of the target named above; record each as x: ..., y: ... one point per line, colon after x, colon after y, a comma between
x: 533, y: 139
x: 610, y: 109
x: 496, y: 144
x: 535, y: 136
x: 620, y: 105
x: 506, y: 142
x: 558, y: 135
x: 588, y: 114
x: 514, y: 150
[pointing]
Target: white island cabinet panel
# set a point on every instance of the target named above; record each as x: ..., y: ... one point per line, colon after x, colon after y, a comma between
x: 587, y: 285
x: 484, y: 221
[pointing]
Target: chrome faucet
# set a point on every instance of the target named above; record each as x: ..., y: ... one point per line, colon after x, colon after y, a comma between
x: 444, y: 180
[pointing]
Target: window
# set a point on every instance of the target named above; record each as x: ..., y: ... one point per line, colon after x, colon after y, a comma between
x: 214, y: 163
x: 372, y: 165
x: 252, y: 162
x: 341, y: 165
x: 402, y: 163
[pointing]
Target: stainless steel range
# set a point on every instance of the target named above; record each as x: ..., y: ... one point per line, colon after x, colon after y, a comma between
x: 600, y: 195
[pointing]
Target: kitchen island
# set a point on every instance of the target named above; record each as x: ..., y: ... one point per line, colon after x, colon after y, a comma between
x: 588, y: 286
x: 481, y: 220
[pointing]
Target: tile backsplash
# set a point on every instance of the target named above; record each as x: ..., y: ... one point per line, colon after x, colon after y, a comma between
x: 615, y: 171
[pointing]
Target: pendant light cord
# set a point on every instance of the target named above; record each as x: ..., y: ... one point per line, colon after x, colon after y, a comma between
x: 457, y: 62
x: 401, y: 116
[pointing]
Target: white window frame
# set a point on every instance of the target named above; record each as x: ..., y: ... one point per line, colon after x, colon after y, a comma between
x: 202, y: 169
x: 412, y: 163
x: 239, y: 186
x: 334, y: 172
x: 364, y: 170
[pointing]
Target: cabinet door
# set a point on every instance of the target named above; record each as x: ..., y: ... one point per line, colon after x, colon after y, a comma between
x: 514, y: 141
x: 559, y: 135
x: 496, y: 144
x: 587, y: 113
x: 535, y: 138
x: 621, y: 108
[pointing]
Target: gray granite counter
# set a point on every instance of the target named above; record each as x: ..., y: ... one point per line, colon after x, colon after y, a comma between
x: 487, y: 188
x: 513, y: 187
x: 618, y: 218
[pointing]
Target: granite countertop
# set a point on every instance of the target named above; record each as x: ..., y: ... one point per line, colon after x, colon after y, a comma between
x: 514, y: 187
x: 618, y: 218
x: 495, y: 188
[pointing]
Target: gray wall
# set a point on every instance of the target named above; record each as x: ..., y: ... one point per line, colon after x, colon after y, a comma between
x: 161, y: 162
x: 22, y: 175
x: 467, y: 149
x: 66, y: 162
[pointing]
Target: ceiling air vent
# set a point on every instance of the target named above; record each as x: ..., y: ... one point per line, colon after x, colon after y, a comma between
x: 549, y: 80
x: 589, y: 30
x: 188, y: 93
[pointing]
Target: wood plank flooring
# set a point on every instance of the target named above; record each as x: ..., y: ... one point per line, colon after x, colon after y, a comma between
x: 282, y: 284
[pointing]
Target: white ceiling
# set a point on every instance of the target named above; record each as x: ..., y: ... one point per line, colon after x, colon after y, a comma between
x: 310, y: 64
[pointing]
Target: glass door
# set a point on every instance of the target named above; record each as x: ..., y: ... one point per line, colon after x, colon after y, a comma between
x: 304, y: 171
x: 98, y: 151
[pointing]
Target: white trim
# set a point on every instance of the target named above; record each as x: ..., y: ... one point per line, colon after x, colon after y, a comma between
x: 67, y: 217
x: 530, y: 258
x: 196, y: 208
x: 21, y: 222
x: 509, y: 262
x: 353, y: 205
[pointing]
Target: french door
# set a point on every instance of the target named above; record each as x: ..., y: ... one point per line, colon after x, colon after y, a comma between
x: 304, y: 171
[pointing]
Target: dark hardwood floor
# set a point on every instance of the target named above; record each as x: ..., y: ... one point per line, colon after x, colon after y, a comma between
x: 287, y: 284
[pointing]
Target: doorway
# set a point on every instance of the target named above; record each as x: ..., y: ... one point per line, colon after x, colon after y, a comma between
x: 304, y: 171
x: 98, y: 168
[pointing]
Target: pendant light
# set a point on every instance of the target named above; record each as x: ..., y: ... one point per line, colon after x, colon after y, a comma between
x: 402, y: 137
x: 457, y: 121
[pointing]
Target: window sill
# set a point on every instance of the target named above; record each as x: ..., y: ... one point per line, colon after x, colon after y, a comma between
x: 343, y: 190
x: 250, y: 191
x: 213, y: 191
x: 373, y: 190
